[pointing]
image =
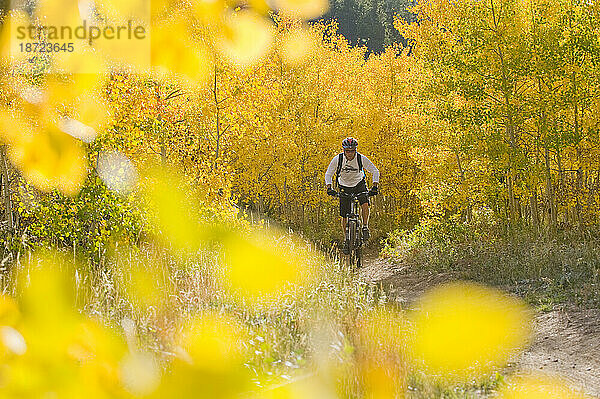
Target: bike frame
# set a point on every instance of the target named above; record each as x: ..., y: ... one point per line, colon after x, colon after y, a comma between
x: 354, y: 229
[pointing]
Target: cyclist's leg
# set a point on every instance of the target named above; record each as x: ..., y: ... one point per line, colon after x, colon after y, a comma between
x: 365, y: 214
x: 363, y: 199
x: 344, y: 210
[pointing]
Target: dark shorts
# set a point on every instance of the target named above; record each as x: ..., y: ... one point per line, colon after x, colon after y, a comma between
x: 345, y: 202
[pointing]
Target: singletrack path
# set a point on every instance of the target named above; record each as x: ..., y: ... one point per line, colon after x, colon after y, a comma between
x: 566, y: 341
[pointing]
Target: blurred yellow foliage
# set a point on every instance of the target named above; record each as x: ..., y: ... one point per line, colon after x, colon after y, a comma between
x: 297, y: 45
x: 9, y: 46
x: 9, y: 312
x: 538, y: 387
x: 173, y: 52
x: 55, y: 350
x: 246, y: 37
x: 462, y: 330
x: 213, y: 342
x: 57, y: 14
x: 140, y: 373
x: 173, y: 210
x: 305, y: 9
x: 209, y: 361
x: 48, y: 157
x: 124, y: 9
x: 260, y: 267
x: 145, y: 283
x: 309, y: 386
x: 209, y: 12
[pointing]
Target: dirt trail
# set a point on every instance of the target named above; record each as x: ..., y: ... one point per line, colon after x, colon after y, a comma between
x: 566, y: 340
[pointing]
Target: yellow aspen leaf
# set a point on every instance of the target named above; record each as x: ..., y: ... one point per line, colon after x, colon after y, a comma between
x: 9, y: 311
x: 48, y: 158
x: 463, y: 330
x: 259, y: 267
x: 209, y: 362
x: 172, y: 208
x: 209, y: 11
x: 246, y: 37
x: 538, y: 387
x: 57, y: 17
x: 173, y: 52
x: 305, y: 9
x: 48, y: 296
x: 213, y: 342
x: 9, y: 43
x: 124, y: 9
x: 296, y: 46
x: 140, y: 373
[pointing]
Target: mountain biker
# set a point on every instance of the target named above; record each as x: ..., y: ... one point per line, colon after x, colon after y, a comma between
x: 351, y: 179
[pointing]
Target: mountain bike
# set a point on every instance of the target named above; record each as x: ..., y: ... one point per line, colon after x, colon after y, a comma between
x: 354, y: 230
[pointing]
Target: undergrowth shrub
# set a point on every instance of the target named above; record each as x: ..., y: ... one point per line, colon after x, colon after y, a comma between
x: 561, y: 267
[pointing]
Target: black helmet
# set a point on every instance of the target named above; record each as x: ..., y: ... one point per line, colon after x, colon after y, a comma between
x: 349, y: 143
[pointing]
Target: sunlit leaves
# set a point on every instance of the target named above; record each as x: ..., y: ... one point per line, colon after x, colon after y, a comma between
x: 464, y: 329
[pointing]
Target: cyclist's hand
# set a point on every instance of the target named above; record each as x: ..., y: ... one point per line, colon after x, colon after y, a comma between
x: 373, y: 191
x: 331, y: 191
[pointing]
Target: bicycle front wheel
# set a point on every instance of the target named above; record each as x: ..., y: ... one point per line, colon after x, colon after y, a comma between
x: 352, y: 231
x: 358, y: 257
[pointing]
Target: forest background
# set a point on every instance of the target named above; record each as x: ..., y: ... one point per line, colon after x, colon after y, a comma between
x: 481, y: 111
x: 481, y: 116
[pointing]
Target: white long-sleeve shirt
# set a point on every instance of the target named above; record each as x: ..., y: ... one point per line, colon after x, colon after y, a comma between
x: 350, y: 175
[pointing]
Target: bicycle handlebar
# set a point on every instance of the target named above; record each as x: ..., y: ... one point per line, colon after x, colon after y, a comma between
x: 352, y: 195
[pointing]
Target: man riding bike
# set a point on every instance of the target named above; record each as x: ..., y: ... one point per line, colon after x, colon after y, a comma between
x: 351, y: 180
